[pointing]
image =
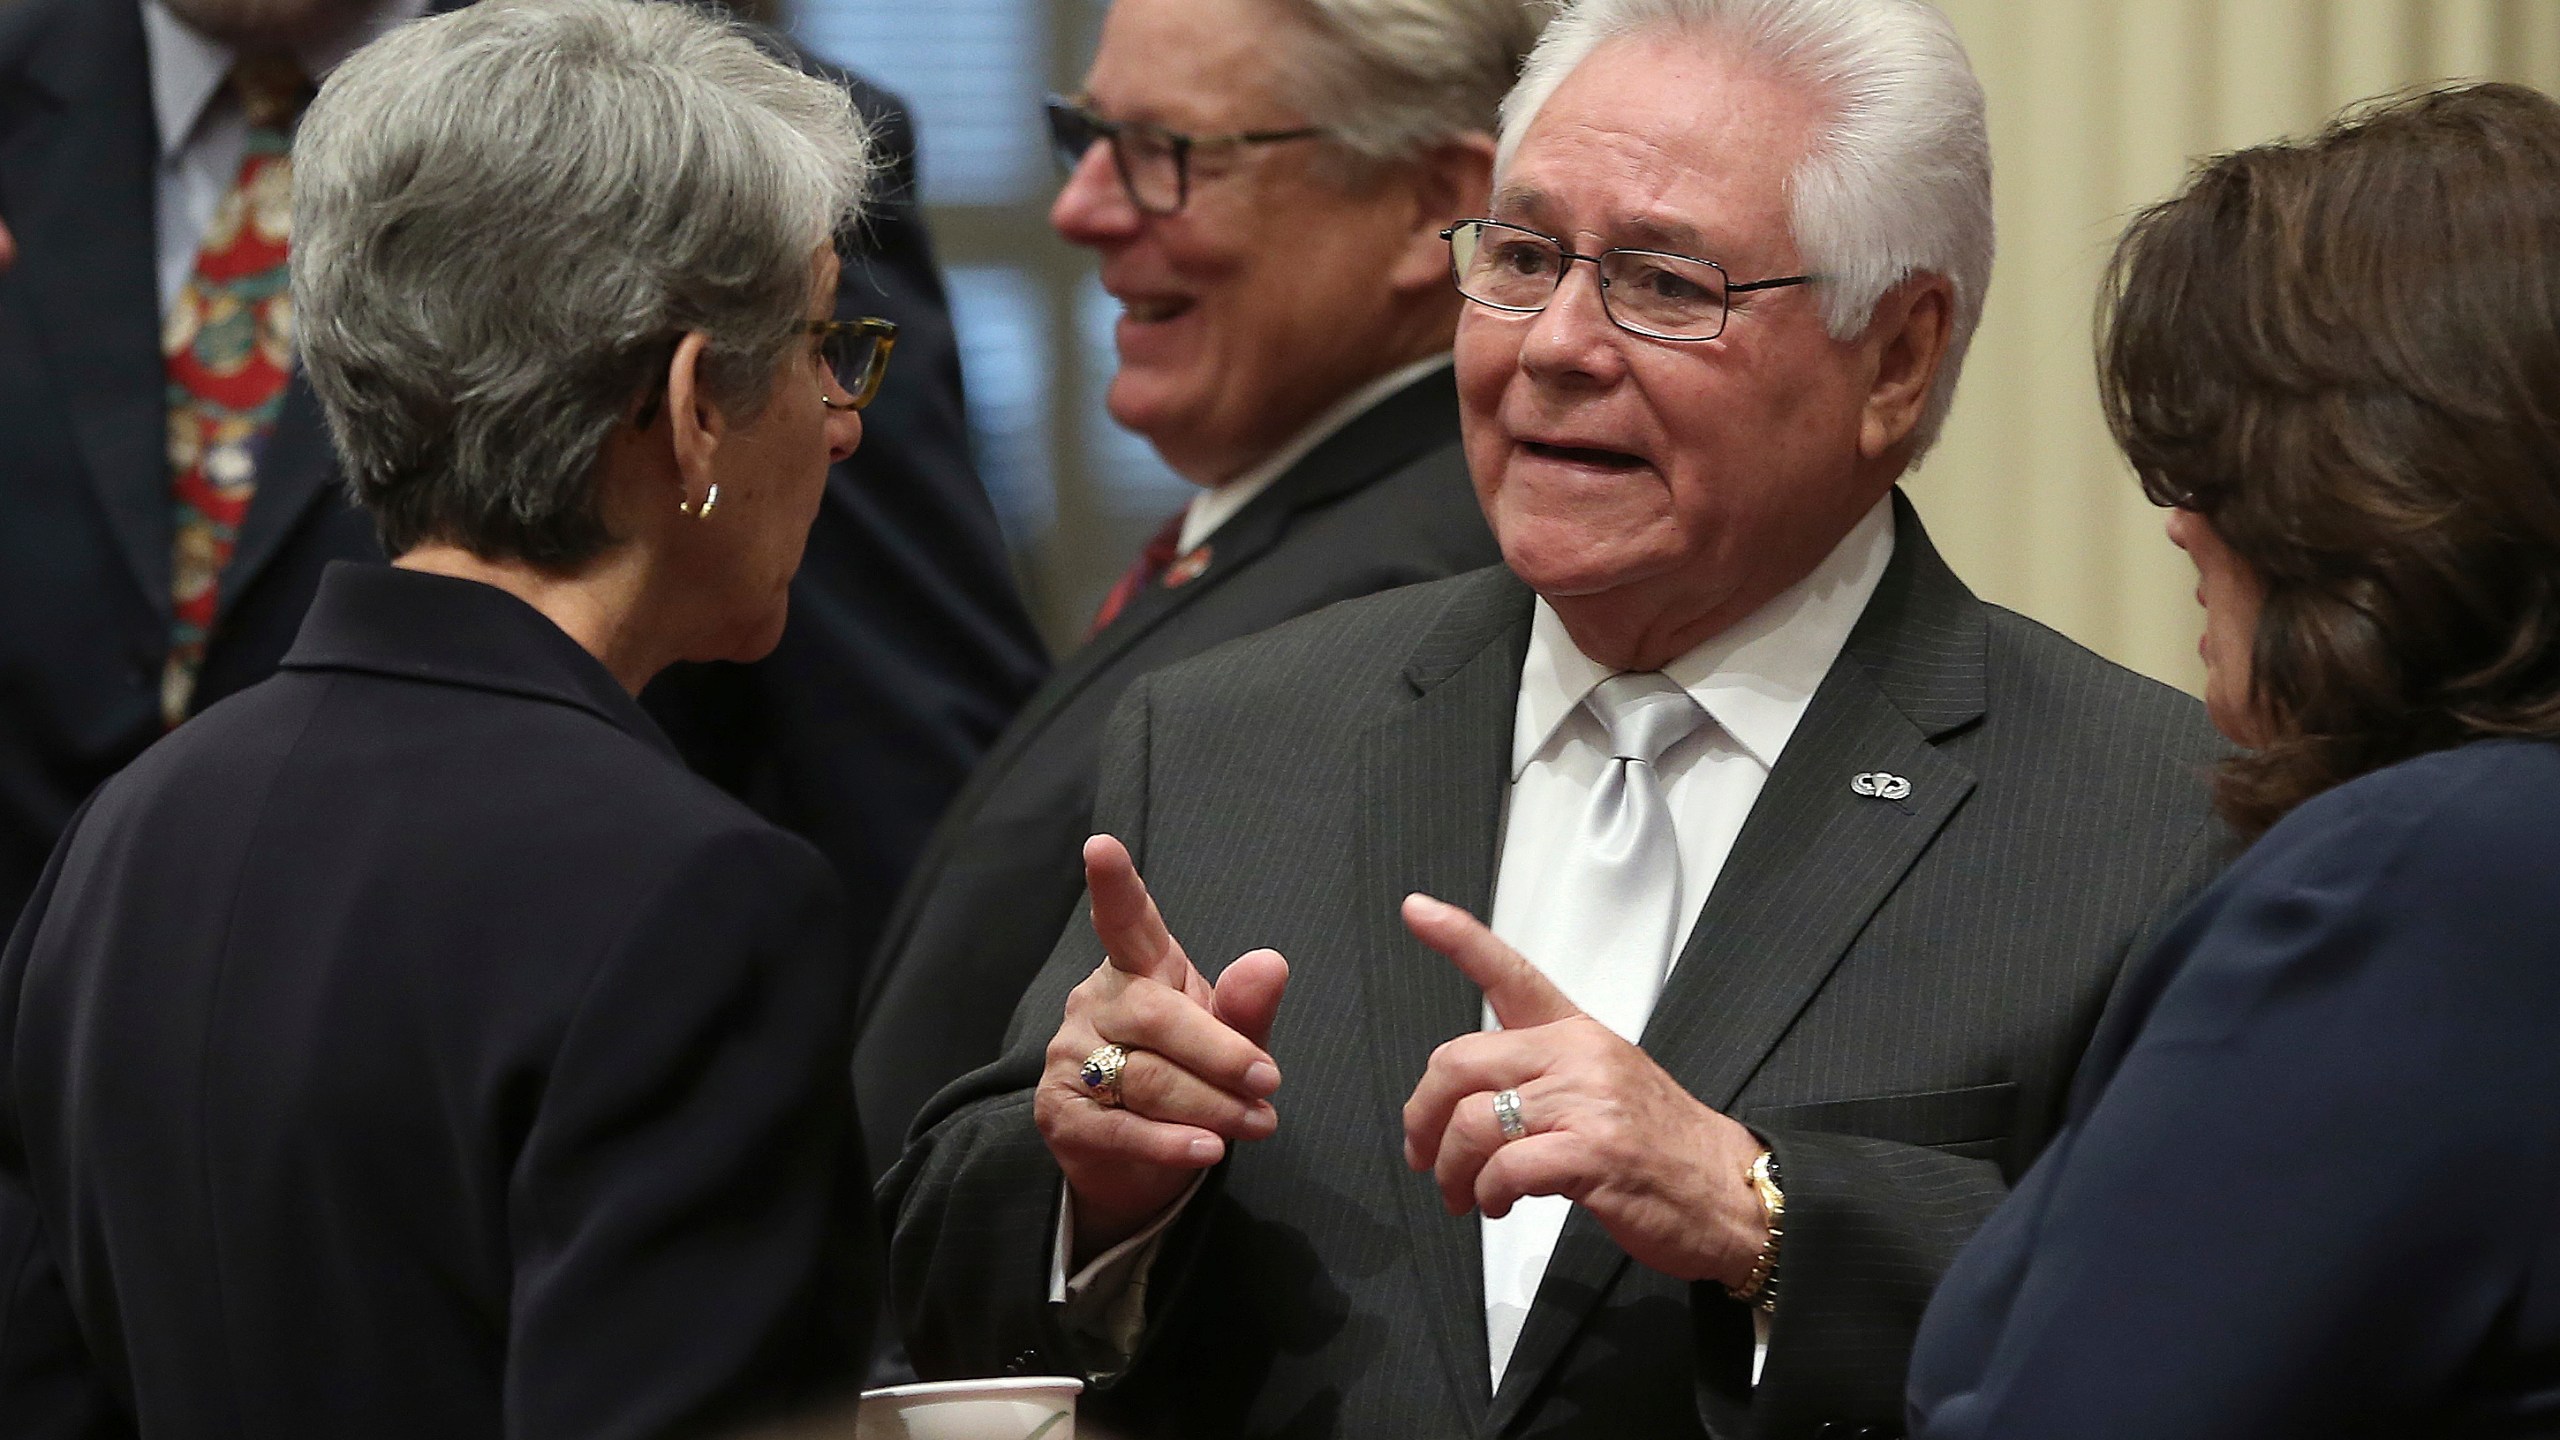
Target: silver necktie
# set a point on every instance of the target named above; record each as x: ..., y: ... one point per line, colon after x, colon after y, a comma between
x: 1601, y: 928
x: 1618, y: 906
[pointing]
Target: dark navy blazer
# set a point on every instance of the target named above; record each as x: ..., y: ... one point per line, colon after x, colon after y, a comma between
x: 410, y: 1047
x: 2311, y: 1183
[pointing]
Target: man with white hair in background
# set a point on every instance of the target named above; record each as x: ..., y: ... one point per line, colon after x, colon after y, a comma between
x: 1822, y: 868
x: 1265, y: 183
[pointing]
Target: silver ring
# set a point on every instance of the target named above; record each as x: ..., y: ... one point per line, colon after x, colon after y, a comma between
x: 1506, y: 1113
x: 1101, y: 1075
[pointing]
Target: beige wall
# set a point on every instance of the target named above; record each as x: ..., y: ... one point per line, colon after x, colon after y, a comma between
x: 2097, y: 108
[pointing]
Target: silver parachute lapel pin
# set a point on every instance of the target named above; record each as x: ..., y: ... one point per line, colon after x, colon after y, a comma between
x: 1880, y: 785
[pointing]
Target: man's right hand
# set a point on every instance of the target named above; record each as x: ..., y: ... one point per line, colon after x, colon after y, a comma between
x: 1196, y: 1078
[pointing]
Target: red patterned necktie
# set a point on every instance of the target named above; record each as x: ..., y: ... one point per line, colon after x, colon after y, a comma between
x: 229, y: 347
x: 1151, y: 562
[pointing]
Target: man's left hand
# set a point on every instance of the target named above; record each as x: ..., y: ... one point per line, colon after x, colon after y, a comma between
x: 1607, y: 1127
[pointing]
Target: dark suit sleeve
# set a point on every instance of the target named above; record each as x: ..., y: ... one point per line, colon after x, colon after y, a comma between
x: 51, y: 1386
x: 974, y: 1200
x: 693, y: 1239
x: 1871, y: 1226
x: 2318, y: 1188
x: 908, y: 647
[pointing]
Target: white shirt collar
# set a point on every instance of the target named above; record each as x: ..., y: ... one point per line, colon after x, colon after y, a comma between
x: 1754, y: 678
x: 1214, y: 507
x: 187, y: 69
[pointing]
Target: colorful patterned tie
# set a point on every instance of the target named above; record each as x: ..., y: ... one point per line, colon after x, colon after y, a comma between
x: 229, y: 347
x: 1152, y: 561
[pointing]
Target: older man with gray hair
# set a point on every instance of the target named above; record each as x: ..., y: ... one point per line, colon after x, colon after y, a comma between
x: 1265, y: 182
x: 1807, y: 872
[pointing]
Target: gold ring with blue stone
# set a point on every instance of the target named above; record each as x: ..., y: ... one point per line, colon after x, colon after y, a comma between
x: 1101, y: 1075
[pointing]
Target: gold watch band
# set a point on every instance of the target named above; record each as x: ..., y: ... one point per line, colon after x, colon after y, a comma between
x: 1757, y: 1288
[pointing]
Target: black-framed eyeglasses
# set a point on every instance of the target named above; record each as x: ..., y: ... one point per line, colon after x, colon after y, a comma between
x: 856, y: 353
x: 1653, y: 293
x: 1154, y: 163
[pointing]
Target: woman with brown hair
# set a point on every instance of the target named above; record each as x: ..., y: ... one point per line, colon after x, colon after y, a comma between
x: 2311, y: 1183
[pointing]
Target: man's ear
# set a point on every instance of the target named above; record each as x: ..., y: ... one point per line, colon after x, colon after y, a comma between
x: 696, y: 423
x: 1906, y: 343
x: 1447, y: 183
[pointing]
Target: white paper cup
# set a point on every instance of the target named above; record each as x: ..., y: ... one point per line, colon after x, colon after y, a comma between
x: 1014, y: 1407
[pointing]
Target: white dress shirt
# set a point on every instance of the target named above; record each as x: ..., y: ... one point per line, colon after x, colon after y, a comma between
x: 204, y: 133
x: 1754, y: 680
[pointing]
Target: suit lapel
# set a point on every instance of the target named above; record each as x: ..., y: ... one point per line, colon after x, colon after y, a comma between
x: 1384, y: 438
x: 1379, y: 440
x: 1817, y: 856
x: 77, y: 177
x: 1812, y: 863
x: 1236, y: 545
x: 1436, y: 771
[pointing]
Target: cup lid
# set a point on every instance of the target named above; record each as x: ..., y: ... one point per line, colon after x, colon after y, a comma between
x: 992, y: 1385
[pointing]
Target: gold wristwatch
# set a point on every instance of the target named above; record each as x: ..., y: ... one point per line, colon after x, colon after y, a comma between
x: 1757, y: 1288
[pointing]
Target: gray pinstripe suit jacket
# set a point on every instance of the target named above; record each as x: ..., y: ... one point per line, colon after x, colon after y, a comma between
x: 1894, y: 993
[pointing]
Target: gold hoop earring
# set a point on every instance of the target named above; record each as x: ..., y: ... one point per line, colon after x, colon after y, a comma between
x: 702, y: 511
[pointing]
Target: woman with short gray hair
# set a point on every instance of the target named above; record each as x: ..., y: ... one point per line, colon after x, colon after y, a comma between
x: 477, y: 311
x: 409, y: 1045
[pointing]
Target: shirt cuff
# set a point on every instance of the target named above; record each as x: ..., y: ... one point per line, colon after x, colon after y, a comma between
x: 1105, y: 1302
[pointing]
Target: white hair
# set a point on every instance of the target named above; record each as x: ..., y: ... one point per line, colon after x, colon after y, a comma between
x: 1389, y: 79
x: 505, y: 216
x: 1899, y: 181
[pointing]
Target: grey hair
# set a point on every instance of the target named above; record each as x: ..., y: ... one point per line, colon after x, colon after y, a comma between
x: 504, y: 218
x: 1899, y: 181
x: 1389, y: 79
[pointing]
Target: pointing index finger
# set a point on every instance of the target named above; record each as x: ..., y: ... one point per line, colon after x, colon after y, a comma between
x: 1519, y: 994
x: 1132, y: 930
